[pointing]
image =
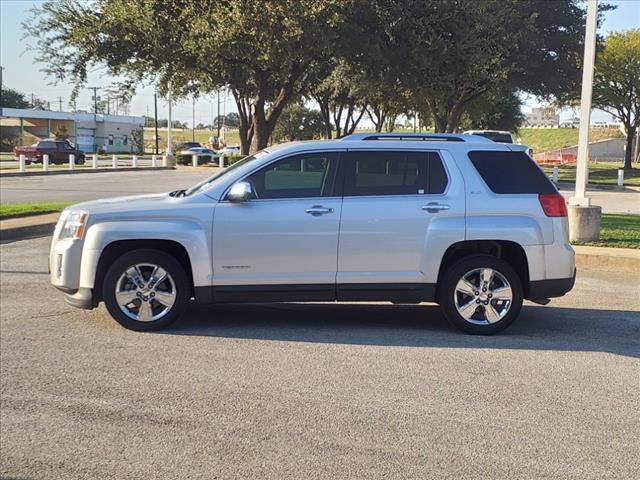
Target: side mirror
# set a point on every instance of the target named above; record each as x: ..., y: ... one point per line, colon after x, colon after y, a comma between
x: 240, y: 192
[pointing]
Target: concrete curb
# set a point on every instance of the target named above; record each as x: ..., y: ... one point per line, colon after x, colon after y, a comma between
x: 80, y: 170
x: 607, y: 259
x: 588, y: 258
x: 21, y: 228
x: 604, y: 188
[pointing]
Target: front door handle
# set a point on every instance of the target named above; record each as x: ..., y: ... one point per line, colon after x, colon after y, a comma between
x: 434, y: 207
x: 318, y: 210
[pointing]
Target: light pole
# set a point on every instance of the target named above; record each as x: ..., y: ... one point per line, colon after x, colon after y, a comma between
x: 584, y: 218
x: 169, y: 147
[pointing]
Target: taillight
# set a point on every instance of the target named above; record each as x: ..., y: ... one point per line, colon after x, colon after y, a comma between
x: 553, y: 204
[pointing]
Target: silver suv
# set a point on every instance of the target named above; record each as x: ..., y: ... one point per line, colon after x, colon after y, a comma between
x: 454, y: 219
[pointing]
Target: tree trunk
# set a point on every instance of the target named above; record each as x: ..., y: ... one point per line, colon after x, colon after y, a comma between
x: 325, y: 113
x: 628, y: 152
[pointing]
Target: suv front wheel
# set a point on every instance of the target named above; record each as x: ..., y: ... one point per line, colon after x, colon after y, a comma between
x: 145, y: 290
x: 481, y: 295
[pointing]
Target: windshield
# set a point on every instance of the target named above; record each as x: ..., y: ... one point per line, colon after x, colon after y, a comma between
x: 203, y: 185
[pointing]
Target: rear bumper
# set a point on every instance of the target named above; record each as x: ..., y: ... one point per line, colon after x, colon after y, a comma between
x: 555, y: 287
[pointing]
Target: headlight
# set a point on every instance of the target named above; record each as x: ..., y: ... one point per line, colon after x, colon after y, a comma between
x: 74, y: 224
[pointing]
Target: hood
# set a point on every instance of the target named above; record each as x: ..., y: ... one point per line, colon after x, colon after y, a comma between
x: 129, y: 204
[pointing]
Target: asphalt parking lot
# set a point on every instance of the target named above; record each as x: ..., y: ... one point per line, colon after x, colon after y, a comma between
x: 317, y: 390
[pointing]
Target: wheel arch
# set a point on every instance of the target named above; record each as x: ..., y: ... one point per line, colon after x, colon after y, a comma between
x: 117, y: 248
x: 511, y: 252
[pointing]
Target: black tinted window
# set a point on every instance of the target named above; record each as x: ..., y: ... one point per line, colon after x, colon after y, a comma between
x: 394, y: 173
x: 46, y: 144
x: 299, y: 176
x: 510, y: 172
x: 437, y: 175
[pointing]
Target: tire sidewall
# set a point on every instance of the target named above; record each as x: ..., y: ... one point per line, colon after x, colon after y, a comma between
x: 157, y: 257
x: 456, y: 272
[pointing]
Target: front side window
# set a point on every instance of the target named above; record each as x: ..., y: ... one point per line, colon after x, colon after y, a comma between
x: 300, y: 176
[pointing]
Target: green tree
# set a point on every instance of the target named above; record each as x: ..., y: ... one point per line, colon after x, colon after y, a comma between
x: 498, y: 109
x: 258, y: 50
x: 12, y: 98
x: 616, y: 84
x: 61, y: 132
x: 298, y: 122
x: 450, y: 53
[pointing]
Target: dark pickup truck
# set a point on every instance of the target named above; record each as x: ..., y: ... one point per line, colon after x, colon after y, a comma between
x: 58, y: 151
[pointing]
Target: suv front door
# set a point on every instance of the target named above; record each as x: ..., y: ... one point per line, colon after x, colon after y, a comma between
x: 284, y: 239
x: 400, y: 209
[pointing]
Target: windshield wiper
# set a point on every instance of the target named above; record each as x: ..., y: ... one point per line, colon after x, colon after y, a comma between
x: 178, y: 193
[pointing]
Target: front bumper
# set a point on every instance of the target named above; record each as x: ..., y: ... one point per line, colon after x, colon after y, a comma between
x: 81, y: 298
x: 555, y: 287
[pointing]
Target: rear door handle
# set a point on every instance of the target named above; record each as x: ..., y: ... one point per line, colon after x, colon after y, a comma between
x: 318, y: 210
x: 434, y: 207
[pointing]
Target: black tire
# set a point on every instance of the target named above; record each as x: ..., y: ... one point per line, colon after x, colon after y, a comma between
x: 176, y: 272
x: 81, y: 160
x: 448, y: 295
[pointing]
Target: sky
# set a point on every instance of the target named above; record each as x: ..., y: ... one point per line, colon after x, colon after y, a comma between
x: 22, y: 73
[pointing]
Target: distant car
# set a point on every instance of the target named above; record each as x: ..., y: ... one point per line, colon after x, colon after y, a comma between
x: 229, y: 151
x: 198, y: 151
x: 187, y: 145
x: 58, y: 151
x: 500, y: 136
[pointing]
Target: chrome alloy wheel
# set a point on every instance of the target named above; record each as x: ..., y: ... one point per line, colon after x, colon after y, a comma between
x: 145, y: 292
x: 483, y: 296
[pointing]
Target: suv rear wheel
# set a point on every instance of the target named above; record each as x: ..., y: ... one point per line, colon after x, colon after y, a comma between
x: 481, y: 295
x: 145, y: 290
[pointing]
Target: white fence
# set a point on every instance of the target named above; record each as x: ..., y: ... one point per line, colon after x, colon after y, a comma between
x: 95, y: 162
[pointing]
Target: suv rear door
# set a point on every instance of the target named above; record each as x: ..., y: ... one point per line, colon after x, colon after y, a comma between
x: 401, y: 210
x: 287, y: 235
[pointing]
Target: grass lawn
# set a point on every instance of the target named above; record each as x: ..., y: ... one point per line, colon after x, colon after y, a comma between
x: 13, y: 210
x: 202, y: 136
x: 545, y: 139
x: 601, y: 173
x: 617, y: 230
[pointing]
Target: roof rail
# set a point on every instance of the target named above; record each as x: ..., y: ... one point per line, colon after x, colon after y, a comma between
x: 428, y: 137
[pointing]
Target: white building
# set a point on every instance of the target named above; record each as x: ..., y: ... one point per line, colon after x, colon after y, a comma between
x: 88, y: 131
x: 542, y: 117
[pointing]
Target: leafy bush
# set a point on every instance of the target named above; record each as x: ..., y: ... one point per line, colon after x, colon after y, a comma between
x: 231, y: 159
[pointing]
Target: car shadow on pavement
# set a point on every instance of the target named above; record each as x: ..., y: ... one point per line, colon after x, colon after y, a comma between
x: 538, y: 328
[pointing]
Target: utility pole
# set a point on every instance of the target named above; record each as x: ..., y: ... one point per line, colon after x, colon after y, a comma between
x: 1, y: 69
x: 169, y: 125
x: 60, y: 104
x: 95, y: 99
x: 584, y: 219
x: 193, y: 119
x: 218, y: 118
x: 155, y: 118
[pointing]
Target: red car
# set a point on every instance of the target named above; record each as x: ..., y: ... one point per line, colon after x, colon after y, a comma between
x: 58, y: 151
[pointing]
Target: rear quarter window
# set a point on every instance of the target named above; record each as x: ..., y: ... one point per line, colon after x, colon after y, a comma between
x: 510, y: 172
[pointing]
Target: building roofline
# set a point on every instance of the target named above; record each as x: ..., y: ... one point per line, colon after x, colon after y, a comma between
x: 76, y: 116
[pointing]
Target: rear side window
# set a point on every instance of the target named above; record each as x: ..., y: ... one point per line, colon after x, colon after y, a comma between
x: 46, y: 144
x: 510, y: 172
x: 393, y: 173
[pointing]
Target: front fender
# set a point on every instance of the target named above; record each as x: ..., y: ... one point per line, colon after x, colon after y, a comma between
x: 190, y: 234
